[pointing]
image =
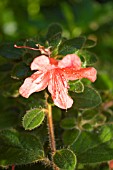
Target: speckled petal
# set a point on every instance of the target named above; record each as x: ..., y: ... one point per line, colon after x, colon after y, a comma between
x: 40, y: 63
x: 37, y: 82
x: 70, y: 60
x: 59, y: 90
x: 73, y: 74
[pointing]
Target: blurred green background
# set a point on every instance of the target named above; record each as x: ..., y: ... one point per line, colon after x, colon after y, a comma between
x: 93, y: 18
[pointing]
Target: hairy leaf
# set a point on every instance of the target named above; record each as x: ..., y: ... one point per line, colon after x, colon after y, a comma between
x: 33, y: 118
x: 89, y: 98
x: 19, y: 148
x: 8, y: 50
x: 65, y: 159
x: 94, y: 147
x: 71, y: 46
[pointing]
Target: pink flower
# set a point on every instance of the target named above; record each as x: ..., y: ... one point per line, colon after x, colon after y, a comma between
x: 55, y: 74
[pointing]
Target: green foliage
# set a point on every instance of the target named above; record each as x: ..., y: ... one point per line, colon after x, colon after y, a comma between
x: 89, y: 98
x: 56, y: 113
x: 68, y: 123
x: 65, y: 159
x: 9, y: 117
x: 86, y: 128
x: 89, y: 58
x: 71, y: 46
x: 8, y: 50
x: 33, y: 118
x: 76, y: 86
x: 53, y: 30
x: 69, y: 136
x: 94, y: 147
x: 20, y: 71
x: 19, y: 148
x: 89, y: 43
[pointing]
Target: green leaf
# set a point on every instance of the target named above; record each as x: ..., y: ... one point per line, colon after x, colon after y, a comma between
x: 94, y: 147
x: 65, y: 159
x: 53, y: 30
x: 68, y: 123
x: 90, y: 58
x: 8, y: 50
x: 56, y: 113
x: 19, y: 148
x: 89, y: 114
x: 71, y: 46
x: 20, y: 70
x: 76, y: 86
x: 9, y: 87
x: 32, y: 101
x: 27, y: 58
x: 87, y: 126
x: 69, y: 136
x: 6, y: 67
x: 89, y: 43
x: 8, y: 118
x: 33, y: 118
x: 89, y: 98
x: 55, y: 40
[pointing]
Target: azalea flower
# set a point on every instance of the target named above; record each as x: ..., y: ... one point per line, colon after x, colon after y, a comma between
x: 55, y: 74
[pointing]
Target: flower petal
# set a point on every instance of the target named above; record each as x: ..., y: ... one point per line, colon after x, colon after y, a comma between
x: 73, y: 74
x: 70, y: 60
x: 37, y: 82
x: 40, y: 63
x: 59, y: 89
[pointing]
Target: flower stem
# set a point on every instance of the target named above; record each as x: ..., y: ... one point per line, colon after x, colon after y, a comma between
x: 51, y: 134
x: 13, y: 167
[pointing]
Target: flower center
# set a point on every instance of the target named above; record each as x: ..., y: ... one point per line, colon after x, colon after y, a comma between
x: 53, y: 61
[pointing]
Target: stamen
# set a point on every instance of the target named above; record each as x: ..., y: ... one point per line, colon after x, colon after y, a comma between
x: 26, y: 47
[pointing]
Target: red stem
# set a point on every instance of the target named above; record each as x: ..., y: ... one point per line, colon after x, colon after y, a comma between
x: 13, y: 167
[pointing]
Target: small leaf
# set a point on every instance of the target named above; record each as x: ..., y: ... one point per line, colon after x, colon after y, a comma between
x: 90, y: 58
x: 8, y: 50
x: 89, y: 114
x: 68, y: 123
x: 76, y: 86
x: 69, y: 136
x: 87, y: 126
x: 71, y: 46
x: 20, y: 70
x: 33, y: 118
x: 89, y: 43
x: 53, y: 30
x: 65, y: 159
x: 19, y: 148
x: 89, y: 98
x: 55, y: 40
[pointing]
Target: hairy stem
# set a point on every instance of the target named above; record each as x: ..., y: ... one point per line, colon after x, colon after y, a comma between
x: 51, y: 134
